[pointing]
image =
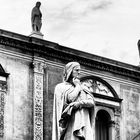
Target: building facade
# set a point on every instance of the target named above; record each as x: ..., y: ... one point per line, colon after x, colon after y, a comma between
x: 30, y: 68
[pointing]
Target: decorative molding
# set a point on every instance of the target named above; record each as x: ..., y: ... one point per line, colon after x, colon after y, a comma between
x: 39, y: 67
x: 3, y: 88
x: 117, y: 128
x: 53, y: 50
x: 117, y: 123
x: 38, y: 100
x: 118, y: 111
x: 99, y: 85
x: 2, y: 113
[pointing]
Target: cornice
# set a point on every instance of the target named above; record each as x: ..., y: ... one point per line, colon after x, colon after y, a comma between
x: 50, y: 50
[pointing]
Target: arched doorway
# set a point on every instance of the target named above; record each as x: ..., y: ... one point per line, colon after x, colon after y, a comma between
x: 107, y: 108
x: 102, y: 125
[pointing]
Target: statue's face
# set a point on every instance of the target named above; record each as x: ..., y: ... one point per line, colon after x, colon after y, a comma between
x: 38, y: 4
x: 76, y: 72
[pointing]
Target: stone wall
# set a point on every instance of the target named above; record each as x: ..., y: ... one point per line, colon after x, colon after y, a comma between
x: 129, y: 116
x: 18, y: 110
x: 53, y: 76
x: 130, y: 111
x: 18, y: 113
x: 36, y: 66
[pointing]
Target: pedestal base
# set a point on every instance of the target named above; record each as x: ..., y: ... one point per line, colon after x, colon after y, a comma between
x: 36, y: 34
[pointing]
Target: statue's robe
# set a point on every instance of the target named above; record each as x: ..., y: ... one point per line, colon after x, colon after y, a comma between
x: 68, y: 123
x: 36, y: 17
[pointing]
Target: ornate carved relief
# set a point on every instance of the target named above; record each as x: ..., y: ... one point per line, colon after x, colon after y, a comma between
x: 38, y: 100
x: 38, y: 67
x: 2, y: 102
x: 3, y: 86
x: 102, y: 89
x: 28, y: 44
x: 98, y: 87
x: 117, y: 123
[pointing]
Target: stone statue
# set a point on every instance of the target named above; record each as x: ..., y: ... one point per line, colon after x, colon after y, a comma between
x: 73, y: 108
x: 36, y: 16
x: 139, y: 49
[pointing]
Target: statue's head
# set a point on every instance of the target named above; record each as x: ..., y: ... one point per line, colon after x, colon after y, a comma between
x: 38, y: 4
x: 71, y: 70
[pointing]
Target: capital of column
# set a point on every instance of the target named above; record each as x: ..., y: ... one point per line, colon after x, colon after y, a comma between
x: 39, y: 67
x: 3, y: 86
x: 118, y: 111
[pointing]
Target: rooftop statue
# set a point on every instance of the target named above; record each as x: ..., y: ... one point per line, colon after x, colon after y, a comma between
x: 36, y: 18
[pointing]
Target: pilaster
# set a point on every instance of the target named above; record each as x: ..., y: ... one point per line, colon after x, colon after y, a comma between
x: 38, y: 100
x: 3, y: 88
x: 117, y: 123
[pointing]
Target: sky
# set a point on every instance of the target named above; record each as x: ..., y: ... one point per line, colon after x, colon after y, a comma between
x: 107, y: 28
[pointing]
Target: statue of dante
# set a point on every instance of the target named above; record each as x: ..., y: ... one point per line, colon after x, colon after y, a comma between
x: 36, y: 16
x: 73, y: 108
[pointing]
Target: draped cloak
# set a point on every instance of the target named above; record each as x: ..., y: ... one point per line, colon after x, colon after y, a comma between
x: 69, y: 124
x: 36, y: 17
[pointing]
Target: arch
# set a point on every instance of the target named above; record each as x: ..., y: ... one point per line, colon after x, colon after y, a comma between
x: 105, y: 105
x: 102, y: 81
x: 103, y: 125
x: 108, y: 110
x: 104, y: 115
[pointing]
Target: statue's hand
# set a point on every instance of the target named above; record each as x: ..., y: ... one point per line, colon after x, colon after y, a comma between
x: 76, y: 105
x: 76, y: 81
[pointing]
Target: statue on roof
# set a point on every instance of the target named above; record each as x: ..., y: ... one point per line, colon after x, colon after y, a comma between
x: 36, y: 17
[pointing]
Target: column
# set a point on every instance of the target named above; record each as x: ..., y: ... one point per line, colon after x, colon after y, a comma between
x: 38, y: 100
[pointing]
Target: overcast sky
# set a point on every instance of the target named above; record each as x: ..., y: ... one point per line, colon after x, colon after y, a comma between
x: 108, y: 28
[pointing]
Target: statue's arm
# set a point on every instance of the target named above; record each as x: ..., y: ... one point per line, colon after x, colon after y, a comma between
x: 40, y: 15
x: 73, y: 94
x: 85, y: 103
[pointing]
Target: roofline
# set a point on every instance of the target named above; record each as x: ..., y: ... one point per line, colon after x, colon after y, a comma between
x: 53, y: 50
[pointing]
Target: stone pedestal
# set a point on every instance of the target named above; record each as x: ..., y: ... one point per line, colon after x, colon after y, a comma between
x: 36, y: 34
